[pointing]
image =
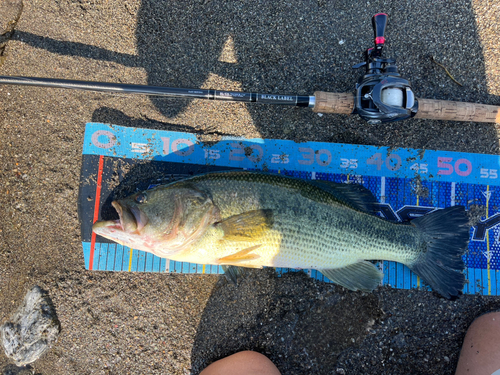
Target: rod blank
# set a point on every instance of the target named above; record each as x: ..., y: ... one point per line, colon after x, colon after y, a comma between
x: 293, y: 100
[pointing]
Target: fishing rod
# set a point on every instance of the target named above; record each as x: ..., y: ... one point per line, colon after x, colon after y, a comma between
x: 381, y: 94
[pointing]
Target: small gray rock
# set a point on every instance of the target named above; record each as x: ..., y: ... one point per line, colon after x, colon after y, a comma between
x: 32, y: 329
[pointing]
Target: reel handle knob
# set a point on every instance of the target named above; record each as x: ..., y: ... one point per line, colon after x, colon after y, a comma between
x: 379, y: 22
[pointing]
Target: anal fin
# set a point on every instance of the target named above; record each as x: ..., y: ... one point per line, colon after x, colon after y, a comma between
x: 362, y: 275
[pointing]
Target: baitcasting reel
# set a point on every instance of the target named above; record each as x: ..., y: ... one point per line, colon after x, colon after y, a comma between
x: 381, y: 94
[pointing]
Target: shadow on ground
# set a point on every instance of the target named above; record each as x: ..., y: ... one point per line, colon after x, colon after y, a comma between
x: 301, y: 324
x: 308, y: 327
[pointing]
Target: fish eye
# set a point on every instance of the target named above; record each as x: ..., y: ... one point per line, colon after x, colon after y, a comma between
x: 141, y: 198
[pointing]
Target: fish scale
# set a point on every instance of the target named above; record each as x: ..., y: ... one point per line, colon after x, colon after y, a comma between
x: 332, y: 234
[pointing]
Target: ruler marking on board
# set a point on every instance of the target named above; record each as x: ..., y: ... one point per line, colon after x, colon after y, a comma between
x: 130, y: 259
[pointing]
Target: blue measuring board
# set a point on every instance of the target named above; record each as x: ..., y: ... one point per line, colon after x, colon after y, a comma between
x: 408, y: 183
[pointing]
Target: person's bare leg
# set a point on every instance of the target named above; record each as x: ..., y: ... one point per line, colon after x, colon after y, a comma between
x: 480, y: 354
x: 242, y: 363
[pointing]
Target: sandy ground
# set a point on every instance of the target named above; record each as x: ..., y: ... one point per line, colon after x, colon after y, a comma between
x: 116, y: 323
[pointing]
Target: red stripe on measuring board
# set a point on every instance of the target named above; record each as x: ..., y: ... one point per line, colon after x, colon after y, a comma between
x: 96, y: 209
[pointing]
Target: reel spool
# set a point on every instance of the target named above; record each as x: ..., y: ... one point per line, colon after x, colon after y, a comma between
x: 392, y: 97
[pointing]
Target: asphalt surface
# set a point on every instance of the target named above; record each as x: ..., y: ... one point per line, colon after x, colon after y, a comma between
x: 116, y: 323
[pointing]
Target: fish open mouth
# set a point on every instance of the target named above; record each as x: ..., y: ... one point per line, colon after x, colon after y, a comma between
x: 131, y: 219
x: 119, y: 210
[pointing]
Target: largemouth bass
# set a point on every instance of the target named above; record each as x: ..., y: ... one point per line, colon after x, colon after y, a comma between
x: 251, y: 219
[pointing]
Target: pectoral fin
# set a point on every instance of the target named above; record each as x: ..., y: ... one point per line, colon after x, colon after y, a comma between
x: 248, y: 226
x: 240, y: 257
x: 363, y: 276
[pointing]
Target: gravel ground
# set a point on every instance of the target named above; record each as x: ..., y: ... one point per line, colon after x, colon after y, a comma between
x: 116, y: 323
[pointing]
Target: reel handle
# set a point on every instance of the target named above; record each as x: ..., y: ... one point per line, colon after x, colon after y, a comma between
x: 379, y: 23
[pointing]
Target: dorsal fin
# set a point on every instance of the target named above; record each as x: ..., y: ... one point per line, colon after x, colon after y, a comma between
x: 354, y: 195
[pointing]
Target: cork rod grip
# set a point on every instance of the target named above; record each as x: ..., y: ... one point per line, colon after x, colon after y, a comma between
x: 329, y: 102
x: 457, y: 111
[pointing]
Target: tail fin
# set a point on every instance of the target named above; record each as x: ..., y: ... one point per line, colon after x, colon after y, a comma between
x: 440, y: 265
